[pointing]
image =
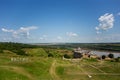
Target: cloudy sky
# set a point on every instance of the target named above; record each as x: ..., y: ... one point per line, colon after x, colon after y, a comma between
x: 44, y: 21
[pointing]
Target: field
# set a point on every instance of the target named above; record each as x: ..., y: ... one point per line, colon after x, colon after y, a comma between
x: 40, y: 67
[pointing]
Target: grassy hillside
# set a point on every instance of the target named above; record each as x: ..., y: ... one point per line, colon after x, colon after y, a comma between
x: 36, y: 52
x: 45, y: 68
x: 31, y: 68
x: 47, y: 64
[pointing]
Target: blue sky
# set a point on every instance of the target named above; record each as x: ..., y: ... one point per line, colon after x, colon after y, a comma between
x: 44, y: 21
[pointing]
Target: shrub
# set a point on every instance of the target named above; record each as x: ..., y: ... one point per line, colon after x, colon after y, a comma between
x: 103, y: 56
x: 67, y: 56
x: 50, y: 55
x: 110, y: 55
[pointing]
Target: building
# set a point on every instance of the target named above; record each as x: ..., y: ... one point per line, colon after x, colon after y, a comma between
x: 77, y: 53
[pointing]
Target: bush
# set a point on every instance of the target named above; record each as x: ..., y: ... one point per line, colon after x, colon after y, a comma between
x: 50, y: 55
x: 103, y: 56
x: 110, y: 55
x: 21, y: 52
x: 67, y: 56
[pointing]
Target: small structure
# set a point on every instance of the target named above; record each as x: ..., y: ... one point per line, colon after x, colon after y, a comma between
x: 77, y: 53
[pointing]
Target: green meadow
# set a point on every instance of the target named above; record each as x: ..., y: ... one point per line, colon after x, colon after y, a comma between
x: 38, y: 66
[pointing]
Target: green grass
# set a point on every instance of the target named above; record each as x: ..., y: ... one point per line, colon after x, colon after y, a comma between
x: 81, y: 70
x: 36, y: 52
x: 7, y: 74
x: 38, y: 68
x: 60, y: 70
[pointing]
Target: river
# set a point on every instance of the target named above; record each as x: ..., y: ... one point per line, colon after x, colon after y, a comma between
x: 100, y: 53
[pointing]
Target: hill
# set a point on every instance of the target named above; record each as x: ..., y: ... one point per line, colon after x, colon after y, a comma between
x: 46, y: 63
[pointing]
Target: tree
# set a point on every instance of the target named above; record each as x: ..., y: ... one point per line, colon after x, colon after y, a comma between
x: 66, y: 56
x: 50, y: 55
x: 110, y: 55
x: 103, y: 56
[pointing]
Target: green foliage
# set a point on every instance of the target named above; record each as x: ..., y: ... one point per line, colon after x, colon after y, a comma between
x: 50, y: 55
x: 15, y: 47
x: 103, y: 56
x: 53, y: 53
x: 67, y: 56
x: 96, y: 46
x: 111, y: 55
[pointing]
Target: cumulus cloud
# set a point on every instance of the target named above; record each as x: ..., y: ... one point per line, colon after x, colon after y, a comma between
x: 106, y: 22
x: 71, y: 34
x: 22, y: 32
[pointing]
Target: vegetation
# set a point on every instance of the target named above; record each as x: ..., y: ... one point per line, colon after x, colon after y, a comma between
x: 117, y: 59
x: 103, y: 56
x: 29, y: 62
x: 67, y: 56
x: 15, y: 47
x: 96, y: 46
x: 110, y: 55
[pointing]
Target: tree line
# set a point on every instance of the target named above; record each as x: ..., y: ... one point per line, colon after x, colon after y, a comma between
x: 15, y: 47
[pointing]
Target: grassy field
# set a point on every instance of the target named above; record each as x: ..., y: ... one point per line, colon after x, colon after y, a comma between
x: 35, y: 67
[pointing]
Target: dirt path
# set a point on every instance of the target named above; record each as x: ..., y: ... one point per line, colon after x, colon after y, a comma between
x: 111, y: 74
x: 85, y: 72
x: 19, y: 70
x: 97, y: 69
x: 53, y: 72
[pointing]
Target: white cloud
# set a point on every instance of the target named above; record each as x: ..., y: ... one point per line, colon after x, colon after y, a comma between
x: 6, y: 30
x: 98, y: 32
x: 59, y: 38
x: 71, y: 34
x: 96, y: 28
x: 28, y: 28
x: 41, y: 38
x: 44, y: 37
x: 22, y: 32
x: 106, y: 22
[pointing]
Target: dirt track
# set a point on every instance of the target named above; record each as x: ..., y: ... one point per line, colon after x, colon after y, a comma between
x: 53, y: 72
